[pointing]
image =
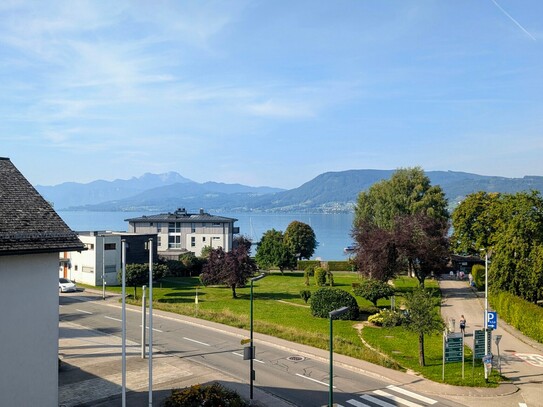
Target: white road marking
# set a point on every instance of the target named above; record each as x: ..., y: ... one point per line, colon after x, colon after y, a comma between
x: 396, y: 398
x: 154, y: 329
x: 356, y: 403
x: 256, y: 360
x: 114, y: 319
x: 194, y: 340
x: 411, y: 394
x: 532, y: 358
x: 522, y: 405
x: 377, y: 401
x: 313, y: 380
x: 83, y: 311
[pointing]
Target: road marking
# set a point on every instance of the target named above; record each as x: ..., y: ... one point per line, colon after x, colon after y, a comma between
x: 114, y: 319
x: 83, y: 311
x: 313, y: 380
x: 396, y: 398
x: 194, y: 340
x: 522, y: 405
x: 411, y: 394
x: 532, y: 358
x: 154, y: 329
x: 377, y: 401
x: 256, y: 360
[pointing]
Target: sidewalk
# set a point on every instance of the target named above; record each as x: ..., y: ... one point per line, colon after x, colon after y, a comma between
x: 514, y: 348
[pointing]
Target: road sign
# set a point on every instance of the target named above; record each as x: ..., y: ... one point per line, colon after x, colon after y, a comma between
x: 479, y: 343
x: 453, y: 348
x: 492, y: 319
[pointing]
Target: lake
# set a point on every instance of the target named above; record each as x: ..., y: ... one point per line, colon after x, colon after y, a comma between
x: 333, y: 231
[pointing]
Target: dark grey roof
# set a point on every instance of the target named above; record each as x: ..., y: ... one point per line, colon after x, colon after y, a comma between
x: 181, y: 215
x: 28, y: 223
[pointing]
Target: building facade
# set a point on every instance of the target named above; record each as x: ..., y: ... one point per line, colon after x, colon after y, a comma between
x: 181, y: 232
x: 102, y: 259
x: 31, y: 237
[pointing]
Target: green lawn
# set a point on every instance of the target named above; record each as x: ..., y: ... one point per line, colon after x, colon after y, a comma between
x: 280, y: 311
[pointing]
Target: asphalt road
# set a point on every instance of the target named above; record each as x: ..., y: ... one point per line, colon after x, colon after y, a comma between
x: 286, y: 373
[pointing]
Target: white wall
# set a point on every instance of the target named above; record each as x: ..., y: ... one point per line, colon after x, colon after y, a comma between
x: 29, y: 330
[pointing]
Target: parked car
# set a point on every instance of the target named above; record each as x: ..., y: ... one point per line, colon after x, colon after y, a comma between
x: 65, y: 285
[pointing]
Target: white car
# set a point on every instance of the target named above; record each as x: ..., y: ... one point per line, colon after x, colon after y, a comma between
x: 65, y: 285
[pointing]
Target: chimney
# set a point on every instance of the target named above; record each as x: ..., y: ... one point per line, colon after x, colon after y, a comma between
x: 201, y: 211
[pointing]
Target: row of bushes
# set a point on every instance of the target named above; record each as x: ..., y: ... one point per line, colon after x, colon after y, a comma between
x: 211, y: 395
x: 523, y: 315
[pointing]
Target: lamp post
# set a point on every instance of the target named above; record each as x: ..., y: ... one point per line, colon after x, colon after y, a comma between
x: 251, y: 344
x: 332, y: 314
x: 486, y: 310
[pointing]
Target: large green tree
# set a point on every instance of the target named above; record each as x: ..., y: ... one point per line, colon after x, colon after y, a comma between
x: 474, y: 223
x: 138, y: 274
x: 272, y: 251
x: 300, y: 239
x: 401, y: 223
x: 407, y: 192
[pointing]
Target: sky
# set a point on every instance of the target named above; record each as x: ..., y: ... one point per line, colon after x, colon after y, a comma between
x: 271, y: 92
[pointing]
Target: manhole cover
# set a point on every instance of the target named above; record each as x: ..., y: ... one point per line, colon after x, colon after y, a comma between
x: 295, y: 358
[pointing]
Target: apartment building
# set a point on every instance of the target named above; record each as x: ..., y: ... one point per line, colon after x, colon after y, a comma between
x: 181, y: 232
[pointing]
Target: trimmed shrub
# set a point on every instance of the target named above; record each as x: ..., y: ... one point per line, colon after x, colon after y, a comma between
x: 478, y: 273
x: 325, y: 300
x: 387, y: 318
x: 330, y: 278
x: 212, y: 395
x: 523, y: 315
x: 308, y: 272
x: 320, y: 276
x: 306, y: 295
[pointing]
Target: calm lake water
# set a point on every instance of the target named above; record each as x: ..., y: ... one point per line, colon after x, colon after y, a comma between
x: 333, y: 231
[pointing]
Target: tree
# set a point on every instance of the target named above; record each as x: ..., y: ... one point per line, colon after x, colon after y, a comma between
x: 422, y: 243
x: 474, y: 223
x: 407, y: 192
x: 422, y: 317
x: 401, y: 222
x: 138, y: 274
x: 232, y: 268
x: 372, y: 290
x: 273, y: 252
x: 300, y: 239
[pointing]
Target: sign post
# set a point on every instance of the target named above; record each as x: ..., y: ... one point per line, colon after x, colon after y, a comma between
x: 453, y: 350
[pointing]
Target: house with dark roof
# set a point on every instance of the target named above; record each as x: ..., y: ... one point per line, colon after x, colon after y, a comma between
x: 32, y: 235
x: 181, y: 232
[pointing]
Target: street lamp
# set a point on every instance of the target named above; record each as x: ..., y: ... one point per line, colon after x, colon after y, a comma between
x: 251, y: 344
x: 332, y: 314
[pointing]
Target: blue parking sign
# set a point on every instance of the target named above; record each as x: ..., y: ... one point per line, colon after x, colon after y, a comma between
x: 492, y: 319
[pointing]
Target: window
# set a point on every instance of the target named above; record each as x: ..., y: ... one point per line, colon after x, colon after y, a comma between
x: 204, y: 239
x: 216, y: 224
x: 75, y: 267
x: 216, y: 238
x: 110, y: 269
x: 110, y: 246
x: 159, y: 227
x: 87, y: 269
x: 193, y: 228
x: 89, y: 246
x: 174, y: 242
x: 159, y: 241
x: 174, y: 227
x: 192, y: 241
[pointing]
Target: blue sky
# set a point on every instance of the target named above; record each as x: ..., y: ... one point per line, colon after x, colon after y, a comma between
x: 270, y: 92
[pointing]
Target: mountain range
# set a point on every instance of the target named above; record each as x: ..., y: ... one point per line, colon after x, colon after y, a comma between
x: 327, y: 193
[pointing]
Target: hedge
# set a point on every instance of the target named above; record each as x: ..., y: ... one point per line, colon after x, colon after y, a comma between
x: 523, y: 315
x: 340, y: 266
x: 303, y: 264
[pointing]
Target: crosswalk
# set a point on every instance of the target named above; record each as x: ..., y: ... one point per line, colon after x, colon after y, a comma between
x: 393, y: 396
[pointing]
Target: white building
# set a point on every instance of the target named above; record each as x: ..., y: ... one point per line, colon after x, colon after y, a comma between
x: 182, y: 232
x: 31, y: 237
x: 102, y: 259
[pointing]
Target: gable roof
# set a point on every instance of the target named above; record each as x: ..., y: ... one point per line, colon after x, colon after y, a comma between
x: 28, y: 223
